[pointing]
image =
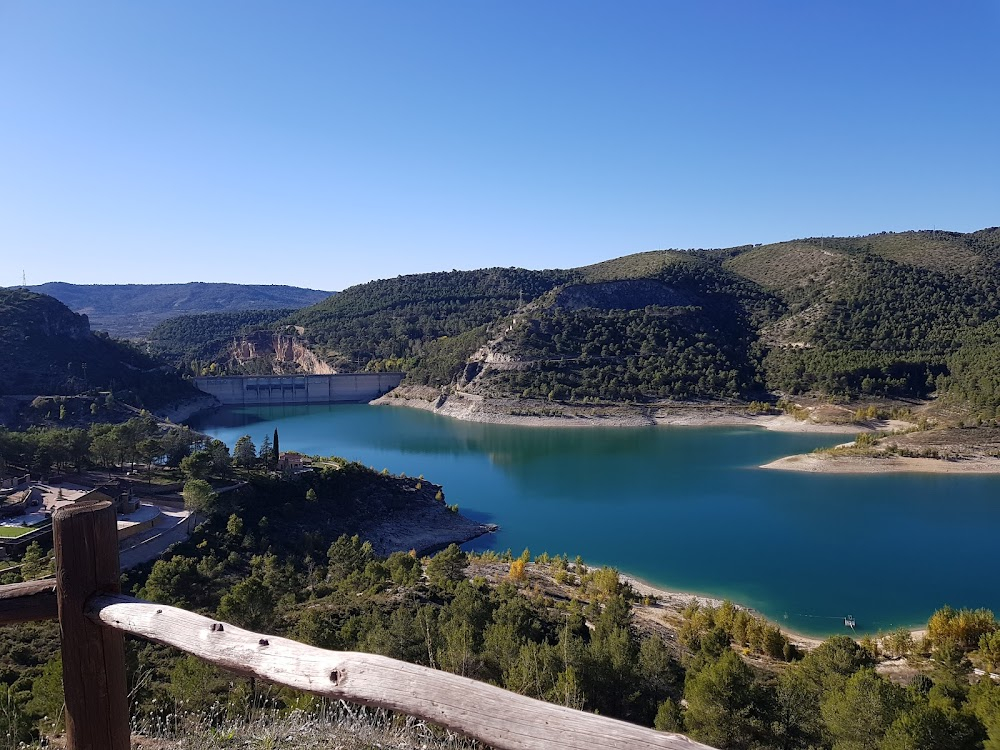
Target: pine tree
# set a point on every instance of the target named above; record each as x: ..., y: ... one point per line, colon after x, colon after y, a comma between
x: 35, y: 563
x: 244, y: 452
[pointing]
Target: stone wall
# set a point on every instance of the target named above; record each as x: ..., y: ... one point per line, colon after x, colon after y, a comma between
x: 15, y: 503
x: 15, y: 483
x: 130, y: 530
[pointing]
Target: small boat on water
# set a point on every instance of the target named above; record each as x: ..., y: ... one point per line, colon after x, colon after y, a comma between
x: 850, y: 622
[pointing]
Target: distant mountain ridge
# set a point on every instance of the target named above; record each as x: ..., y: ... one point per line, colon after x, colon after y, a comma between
x: 133, y: 310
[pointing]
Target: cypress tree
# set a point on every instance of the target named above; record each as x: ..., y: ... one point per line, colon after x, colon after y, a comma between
x: 274, y: 446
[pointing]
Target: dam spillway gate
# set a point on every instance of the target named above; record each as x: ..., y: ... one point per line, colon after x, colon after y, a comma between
x: 276, y: 390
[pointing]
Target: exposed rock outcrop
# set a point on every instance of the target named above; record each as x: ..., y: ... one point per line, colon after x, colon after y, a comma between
x: 286, y: 354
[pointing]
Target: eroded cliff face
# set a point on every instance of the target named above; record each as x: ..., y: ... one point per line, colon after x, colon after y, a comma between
x: 283, y: 353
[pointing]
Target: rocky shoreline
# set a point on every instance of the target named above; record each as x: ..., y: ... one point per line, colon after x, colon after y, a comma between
x: 422, y: 529
x: 533, y: 413
x: 536, y: 413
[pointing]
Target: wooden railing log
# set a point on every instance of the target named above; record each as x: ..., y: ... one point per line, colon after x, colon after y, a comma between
x: 497, y: 717
x: 28, y: 601
x: 85, y: 537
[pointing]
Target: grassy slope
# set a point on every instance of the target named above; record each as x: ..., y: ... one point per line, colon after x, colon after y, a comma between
x: 636, y: 266
x: 787, y: 267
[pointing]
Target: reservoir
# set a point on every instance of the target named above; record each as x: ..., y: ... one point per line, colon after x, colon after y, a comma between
x: 685, y: 508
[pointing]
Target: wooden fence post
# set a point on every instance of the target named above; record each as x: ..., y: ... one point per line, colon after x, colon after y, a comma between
x: 86, y: 546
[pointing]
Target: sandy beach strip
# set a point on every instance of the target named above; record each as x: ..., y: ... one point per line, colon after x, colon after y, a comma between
x: 829, y: 464
x: 674, y: 602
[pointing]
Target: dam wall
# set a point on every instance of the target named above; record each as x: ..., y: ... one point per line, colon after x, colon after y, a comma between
x: 277, y: 390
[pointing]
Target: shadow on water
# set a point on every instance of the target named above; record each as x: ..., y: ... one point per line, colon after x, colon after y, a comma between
x: 225, y: 419
x: 479, y: 516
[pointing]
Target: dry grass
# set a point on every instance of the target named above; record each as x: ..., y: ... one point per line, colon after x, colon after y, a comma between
x: 787, y: 266
x: 336, y: 727
x: 636, y: 266
x: 937, y: 251
x: 949, y: 442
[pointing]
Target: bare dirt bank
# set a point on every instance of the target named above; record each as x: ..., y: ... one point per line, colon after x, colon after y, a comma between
x: 536, y: 413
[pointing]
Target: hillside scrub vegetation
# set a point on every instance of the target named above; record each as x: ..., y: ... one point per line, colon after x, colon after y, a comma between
x: 186, y: 340
x: 887, y: 316
x: 609, y: 344
x: 726, y: 677
x: 139, y: 440
x: 283, y: 556
x: 972, y: 377
x: 50, y: 350
x: 396, y: 318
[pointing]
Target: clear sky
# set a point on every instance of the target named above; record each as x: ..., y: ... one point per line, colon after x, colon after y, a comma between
x: 327, y: 143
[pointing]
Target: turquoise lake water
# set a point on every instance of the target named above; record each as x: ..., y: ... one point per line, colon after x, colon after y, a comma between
x: 685, y: 508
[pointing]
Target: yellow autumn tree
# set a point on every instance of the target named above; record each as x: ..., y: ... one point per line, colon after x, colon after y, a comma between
x: 516, y: 571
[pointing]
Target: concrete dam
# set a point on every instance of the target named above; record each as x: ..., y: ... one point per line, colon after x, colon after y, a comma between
x: 277, y: 390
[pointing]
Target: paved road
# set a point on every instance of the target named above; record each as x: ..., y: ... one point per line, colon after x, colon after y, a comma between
x: 175, y: 527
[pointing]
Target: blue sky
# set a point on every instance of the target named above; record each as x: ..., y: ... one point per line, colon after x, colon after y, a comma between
x: 324, y: 144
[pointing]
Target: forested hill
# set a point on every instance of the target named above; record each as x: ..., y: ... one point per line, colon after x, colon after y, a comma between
x: 187, y: 340
x: 132, y: 310
x: 383, y: 323
x: 880, y: 315
x: 49, y: 350
x: 894, y: 315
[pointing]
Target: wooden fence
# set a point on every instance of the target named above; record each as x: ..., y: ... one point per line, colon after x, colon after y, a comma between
x: 93, y: 616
